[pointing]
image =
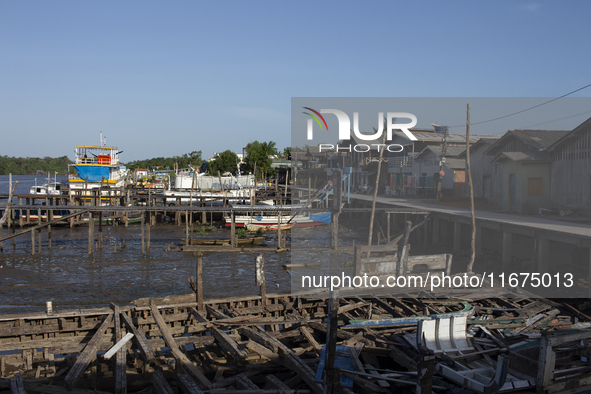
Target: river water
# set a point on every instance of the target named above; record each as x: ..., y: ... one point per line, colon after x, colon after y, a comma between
x: 71, y: 278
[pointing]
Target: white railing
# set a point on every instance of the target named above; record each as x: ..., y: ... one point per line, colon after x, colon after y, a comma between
x: 398, y: 162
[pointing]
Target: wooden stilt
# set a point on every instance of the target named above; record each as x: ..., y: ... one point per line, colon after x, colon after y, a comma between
x: 90, y: 232
x: 260, y: 276
x: 199, y: 274
x: 233, y: 239
x: 33, y: 242
x: 100, y: 234
x: 148, y: 226
x: 143, y: 216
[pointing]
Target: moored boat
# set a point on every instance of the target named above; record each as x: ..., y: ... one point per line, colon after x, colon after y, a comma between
x: 261, y: 215
x: 239, y: 241
x: 267, y: 227
x: 97, y: 167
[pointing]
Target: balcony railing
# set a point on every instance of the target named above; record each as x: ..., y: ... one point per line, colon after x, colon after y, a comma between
x: 398, y: 162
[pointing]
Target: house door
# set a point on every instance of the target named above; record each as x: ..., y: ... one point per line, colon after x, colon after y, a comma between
x: 512, y: 192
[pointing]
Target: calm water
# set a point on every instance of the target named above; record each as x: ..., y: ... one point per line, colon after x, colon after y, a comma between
x: 26, y: 181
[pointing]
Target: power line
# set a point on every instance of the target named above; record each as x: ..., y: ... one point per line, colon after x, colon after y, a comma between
x: 556, y: 120
x: 524, y: 110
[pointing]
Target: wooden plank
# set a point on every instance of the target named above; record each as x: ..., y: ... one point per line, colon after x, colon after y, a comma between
x: 350, y: 307
x: 187, y: 384
x: 354, y: 356
x: 160, y: 384
x: 87, y: 355
x: 244, y: 383
x: 140, y: 337
x: 120, y: 362
x: 310, y: 338
x: 228, y: 344
x: 271, y: 382
x: 174, y: 348
x: 118, y: 346
x: 287, y: 358
x: 341, y: 334
x: 215, y: 313
x: 16, y: 385
x: 258, y: 337
x: 385, y: 306
x: 365, y: 384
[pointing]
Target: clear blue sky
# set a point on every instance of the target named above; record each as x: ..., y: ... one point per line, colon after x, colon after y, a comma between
x: 166, y: 78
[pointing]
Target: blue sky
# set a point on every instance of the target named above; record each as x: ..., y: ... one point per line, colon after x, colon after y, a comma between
x: 167, y: 78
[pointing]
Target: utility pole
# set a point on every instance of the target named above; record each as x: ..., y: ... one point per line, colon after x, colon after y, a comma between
x: 443, y: 129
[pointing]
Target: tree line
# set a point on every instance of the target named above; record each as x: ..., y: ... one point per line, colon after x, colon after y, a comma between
x: 32, y: 165
x: 259, y: 156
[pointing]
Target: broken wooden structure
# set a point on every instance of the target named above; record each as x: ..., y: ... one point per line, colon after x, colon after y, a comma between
x: 280, y: 343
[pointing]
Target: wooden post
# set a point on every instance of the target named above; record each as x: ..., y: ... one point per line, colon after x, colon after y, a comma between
x: 148, y: 226
x: 233, y: 240
x: 388, y: 217
x: 33, y: 242
x: 457, y: 236
x: 199, y: 275
x: 335, y: 230
x: 279, y: 240
x: 435, y: 225
x: 425, y: 368
x: 49, y: 236
x: 187, y: 228
x: 20, y: 216
x: 100, y: 234
x: 142, y: 223
x: 375, y: 194
x: 507, y: 252
x: 120, y: 365
x: 90, y: 232
x: 403, y: 253
x: 478, y: 246
x: 39, y: 222
x: 543, y: 252
x: 473, y: 243
x: 332, y: 376
x: 260, y: 276
x: 190, y: 235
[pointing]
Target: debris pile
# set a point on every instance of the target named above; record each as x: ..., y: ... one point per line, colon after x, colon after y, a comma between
x: 288, y: 344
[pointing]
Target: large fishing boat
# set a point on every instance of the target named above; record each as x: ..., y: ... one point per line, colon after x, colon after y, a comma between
x: 96, y: 167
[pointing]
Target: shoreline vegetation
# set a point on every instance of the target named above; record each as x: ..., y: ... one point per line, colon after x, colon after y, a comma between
x: 257, y: 152
x: 33, y: 165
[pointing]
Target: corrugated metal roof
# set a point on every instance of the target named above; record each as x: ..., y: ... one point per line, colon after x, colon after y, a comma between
x: 450, y: 151
x: 456, y: 164
x: 523, y: 156
x: 433, y: 136
x: 539, y: 138
x: 583, y: 127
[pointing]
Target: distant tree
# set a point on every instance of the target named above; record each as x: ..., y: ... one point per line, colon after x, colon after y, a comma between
x: 287, y: 151
x: 193, y: 159
x: 227, y: 161
x: 31, y: 165
x: 261, y: 154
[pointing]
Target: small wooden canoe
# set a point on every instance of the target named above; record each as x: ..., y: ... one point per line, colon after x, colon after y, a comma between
x: 267, y: 227
x: 240, y: 241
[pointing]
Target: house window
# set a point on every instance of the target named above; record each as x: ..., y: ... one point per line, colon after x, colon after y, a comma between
x: 535, y: 187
